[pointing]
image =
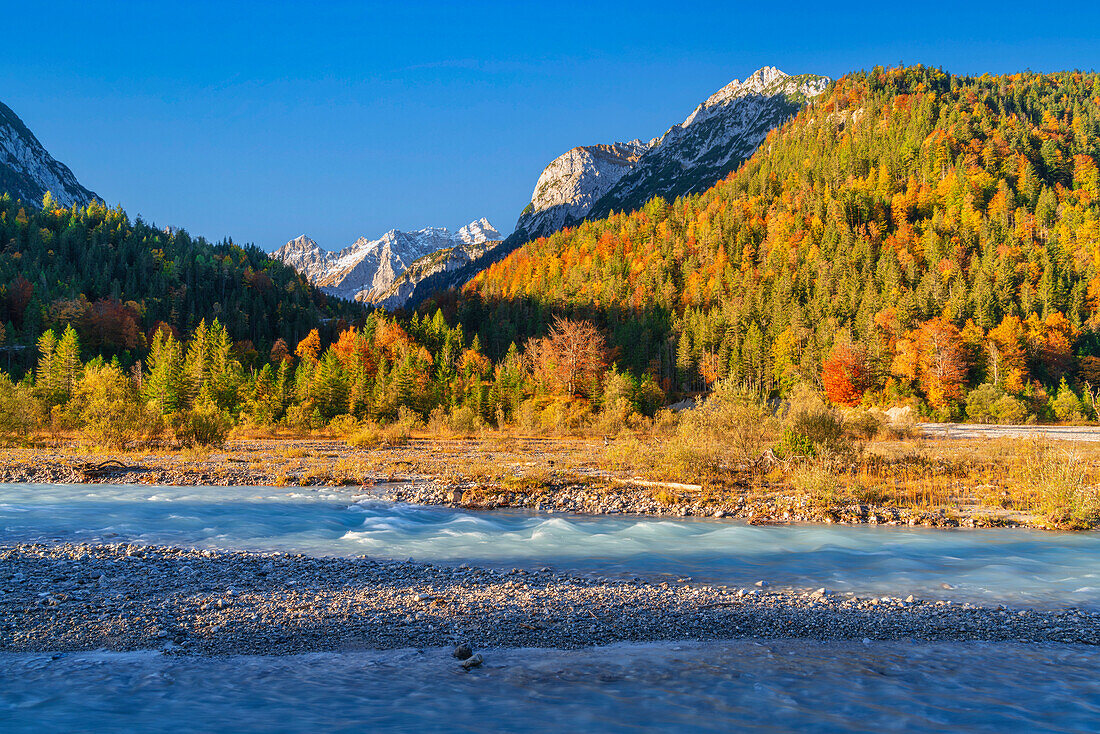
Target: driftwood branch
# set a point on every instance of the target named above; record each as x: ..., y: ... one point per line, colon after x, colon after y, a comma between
x: 96, y: 470
x: 663, y: 485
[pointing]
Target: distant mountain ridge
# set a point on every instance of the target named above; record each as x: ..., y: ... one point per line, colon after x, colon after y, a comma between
x: 28, y: 171
x: 588, y: 182
x: 367, y: 269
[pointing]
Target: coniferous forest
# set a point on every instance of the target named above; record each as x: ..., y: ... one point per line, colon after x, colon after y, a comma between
x: 909, y: 238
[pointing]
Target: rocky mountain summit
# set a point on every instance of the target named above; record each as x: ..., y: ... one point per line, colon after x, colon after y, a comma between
x: 28, y: 171
x: 589, y: 182
x: 713, y: 140
x: 592, y: 181
x: 367, y: 269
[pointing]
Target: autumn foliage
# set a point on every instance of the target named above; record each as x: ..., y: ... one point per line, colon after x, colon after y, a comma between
x: 844, y: 375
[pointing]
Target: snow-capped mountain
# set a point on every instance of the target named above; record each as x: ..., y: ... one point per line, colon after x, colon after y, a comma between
x: 719, y: 134
x: 366, y: 269
x: 442, y: 261
x: 28, y: 171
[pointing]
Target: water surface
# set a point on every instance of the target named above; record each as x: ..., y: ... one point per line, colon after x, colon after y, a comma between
x: 1015, y: 566
x: 720, y: 687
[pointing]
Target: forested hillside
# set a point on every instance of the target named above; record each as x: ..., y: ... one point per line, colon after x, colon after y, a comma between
x: 910, y: 235
x: 115, y: 280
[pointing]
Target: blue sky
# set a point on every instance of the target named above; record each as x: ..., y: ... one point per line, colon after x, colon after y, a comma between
x: 262, y: 121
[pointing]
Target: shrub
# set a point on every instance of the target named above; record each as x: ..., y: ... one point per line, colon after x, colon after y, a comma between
x: 464, y: 419
x: 109, y: 408
x: 1056, y: 484
x: 624, y: 454
x: 367, y: 437
x: 203, y: 425
x: 343, y: 425
x: 980, y: 402
x: 729, y: 428
x: 735, y: 419
x: 395, y: 434
x: 793, y: 444
x: 1066, y: 406
x: 300, y: 418
x: 1008, y: 409
x: 19, y: 409
x: 809, y: 418
x: 371, y: 435
x: 863, y: 424
x: 410, y: 419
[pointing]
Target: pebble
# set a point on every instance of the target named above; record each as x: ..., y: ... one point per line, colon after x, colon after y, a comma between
x: 463, y: 651
x: 344, y: 603
x: 473, y: 662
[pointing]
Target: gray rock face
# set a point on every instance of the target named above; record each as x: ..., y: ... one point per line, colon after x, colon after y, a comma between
x: 576, y: 180
x: 592, y: 181
x: 28, y: 171
x: 369, y: 270
x: 442, y: 261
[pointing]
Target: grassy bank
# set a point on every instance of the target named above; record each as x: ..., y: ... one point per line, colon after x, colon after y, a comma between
x: 728, y: 459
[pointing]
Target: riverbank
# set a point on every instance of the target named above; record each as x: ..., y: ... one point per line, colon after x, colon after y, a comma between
x: 946, y: 482
x: 61, y: 597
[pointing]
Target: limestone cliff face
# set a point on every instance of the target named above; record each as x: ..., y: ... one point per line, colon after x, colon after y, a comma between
x: 574, y: 181
x: 28, y: 171
x: 713, y: 140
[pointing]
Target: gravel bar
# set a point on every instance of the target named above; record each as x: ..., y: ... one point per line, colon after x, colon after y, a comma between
x: 59, y: 597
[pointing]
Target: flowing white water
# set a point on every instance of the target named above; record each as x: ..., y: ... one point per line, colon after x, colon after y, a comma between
x: 764, y: 686
x: 1013, y: 566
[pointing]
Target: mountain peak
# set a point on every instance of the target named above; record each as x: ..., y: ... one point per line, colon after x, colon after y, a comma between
x: 28, y: 171
x: 366, y: 269
x: 592, y: 180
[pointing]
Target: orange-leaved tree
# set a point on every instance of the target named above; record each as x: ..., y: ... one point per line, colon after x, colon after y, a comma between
x: 844, y: 375
x: 570, y: 358
x: 942, y: 360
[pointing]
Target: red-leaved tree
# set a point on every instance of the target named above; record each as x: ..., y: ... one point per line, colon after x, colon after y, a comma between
x: 844, y: 375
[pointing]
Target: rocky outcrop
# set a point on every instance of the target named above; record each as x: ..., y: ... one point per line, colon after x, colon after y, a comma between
x: 443, y: 261
x: 591, y: 181
x: 576, y: 180
x: 28, y: 171
x: 713, y: 140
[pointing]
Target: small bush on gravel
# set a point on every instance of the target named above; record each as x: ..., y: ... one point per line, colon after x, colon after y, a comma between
x: 203, y: 425
x: 371, y: 435
x: 980, y: 401
x: 109, y: 408
x: 19, y: 409
x: 1008, y: 409
x: 863, y: 424
x: 343, y: 425
x: 813, y: 429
